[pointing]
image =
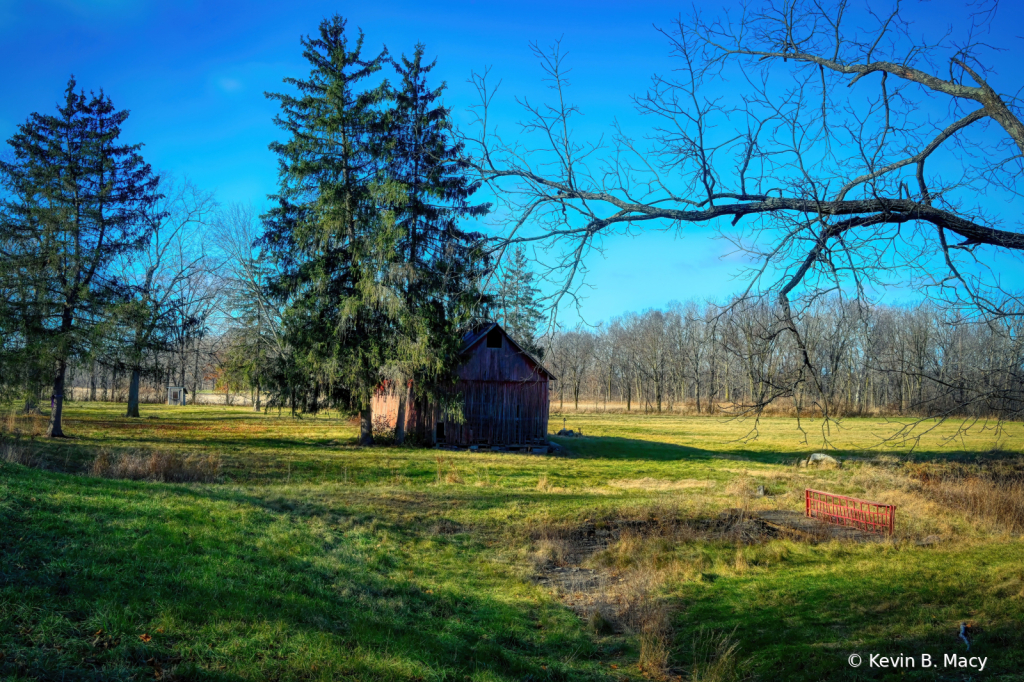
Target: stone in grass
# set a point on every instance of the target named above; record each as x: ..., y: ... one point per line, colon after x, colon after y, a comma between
x: 821, y: 460
x: 599, y: 625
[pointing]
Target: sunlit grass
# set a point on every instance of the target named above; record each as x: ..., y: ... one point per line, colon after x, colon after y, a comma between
x: 311, y: 558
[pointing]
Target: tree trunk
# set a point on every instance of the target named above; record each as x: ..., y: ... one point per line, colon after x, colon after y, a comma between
x: 133, y: 395
x: 256, y: 403
x: 54, y: 430
x: 92, y: 383
x: 400, y: 424
x: 197, y: 383
x: 366, y: 426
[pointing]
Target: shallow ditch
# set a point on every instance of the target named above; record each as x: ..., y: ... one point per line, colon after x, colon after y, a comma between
x: 614, y: 594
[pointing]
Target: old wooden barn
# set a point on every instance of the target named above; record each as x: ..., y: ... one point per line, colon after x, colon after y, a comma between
x: 504, y: 398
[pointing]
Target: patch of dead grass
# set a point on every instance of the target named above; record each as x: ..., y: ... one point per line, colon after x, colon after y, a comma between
x: 648, y: 483
x: 156, y: 466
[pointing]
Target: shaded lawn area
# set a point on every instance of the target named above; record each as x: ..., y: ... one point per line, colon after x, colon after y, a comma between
x: 801, y: 612
x: 221, y: 585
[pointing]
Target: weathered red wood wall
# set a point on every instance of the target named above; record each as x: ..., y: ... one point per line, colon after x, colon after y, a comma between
x: 504, y: 401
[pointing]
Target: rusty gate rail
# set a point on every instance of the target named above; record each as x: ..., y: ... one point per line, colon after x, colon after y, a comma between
x: 841, y: 510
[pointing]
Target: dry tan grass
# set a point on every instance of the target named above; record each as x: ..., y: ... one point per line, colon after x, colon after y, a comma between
x: 715, y: 656
x: 648, y: 483
x: 156, y: 466
x: 998, y: 502
x: 624, y: 584
x: 782, y: 407
x: 947, y: 498
x: 21, y: 425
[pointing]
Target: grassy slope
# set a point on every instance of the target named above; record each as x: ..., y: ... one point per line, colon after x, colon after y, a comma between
x: 316, y: 559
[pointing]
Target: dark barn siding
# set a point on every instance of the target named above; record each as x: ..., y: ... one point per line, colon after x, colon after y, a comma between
x: 504, y: 399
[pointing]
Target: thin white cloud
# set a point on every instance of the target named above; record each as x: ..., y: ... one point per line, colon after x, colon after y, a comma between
x: 229, y: 84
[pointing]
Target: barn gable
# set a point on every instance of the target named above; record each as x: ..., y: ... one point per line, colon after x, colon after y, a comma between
x: 490, y: 354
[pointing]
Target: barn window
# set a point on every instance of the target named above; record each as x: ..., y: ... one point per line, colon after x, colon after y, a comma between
x: 494, y: 338
x: 440, y: 432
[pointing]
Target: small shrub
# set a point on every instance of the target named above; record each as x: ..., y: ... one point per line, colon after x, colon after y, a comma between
x: 553, y: 550
x: 383, y: 432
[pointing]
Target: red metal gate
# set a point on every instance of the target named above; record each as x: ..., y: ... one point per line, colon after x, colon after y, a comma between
x: 850, y: 511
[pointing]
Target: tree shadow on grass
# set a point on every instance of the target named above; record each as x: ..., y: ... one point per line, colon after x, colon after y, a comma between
x: 626, y: 449
x: 226, y: 589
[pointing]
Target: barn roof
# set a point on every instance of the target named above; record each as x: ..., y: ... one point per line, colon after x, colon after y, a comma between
x: 480, y: 332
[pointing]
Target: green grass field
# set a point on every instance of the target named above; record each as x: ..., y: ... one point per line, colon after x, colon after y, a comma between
x: 312, y: 559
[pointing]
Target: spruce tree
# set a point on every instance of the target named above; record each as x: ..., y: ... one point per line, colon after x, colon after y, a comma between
x: 436, y: 266
x: 516, y: 303
x: 75, y: 199
x: 326, y: 218
x: 381, y: 278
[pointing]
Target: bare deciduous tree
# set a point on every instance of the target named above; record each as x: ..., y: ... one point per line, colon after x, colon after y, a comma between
x: 845, y: 154
x: 159, y: 274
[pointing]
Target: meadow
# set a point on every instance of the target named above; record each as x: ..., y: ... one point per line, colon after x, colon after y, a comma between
x: 292, y: 554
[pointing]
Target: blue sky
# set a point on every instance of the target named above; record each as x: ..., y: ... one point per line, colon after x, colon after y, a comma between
x: 193, y: 75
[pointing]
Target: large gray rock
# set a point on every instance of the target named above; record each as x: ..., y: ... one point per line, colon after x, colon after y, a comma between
x: 820, y: 459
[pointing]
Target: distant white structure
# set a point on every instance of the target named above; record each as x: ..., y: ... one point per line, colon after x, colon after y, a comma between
x: 176, y: 395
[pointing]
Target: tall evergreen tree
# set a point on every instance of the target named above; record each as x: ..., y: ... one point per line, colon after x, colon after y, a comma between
x: 516, y: 303
x: 435, y: 266
x: 380, y: 276
x: 74, y: 200
x: 322, y: 229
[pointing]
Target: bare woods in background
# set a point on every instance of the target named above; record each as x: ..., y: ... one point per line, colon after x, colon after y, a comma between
x: 843, y: 148
x: 704, y: 358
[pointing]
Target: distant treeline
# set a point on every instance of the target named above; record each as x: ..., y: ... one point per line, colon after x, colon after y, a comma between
x: 917, y: 360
